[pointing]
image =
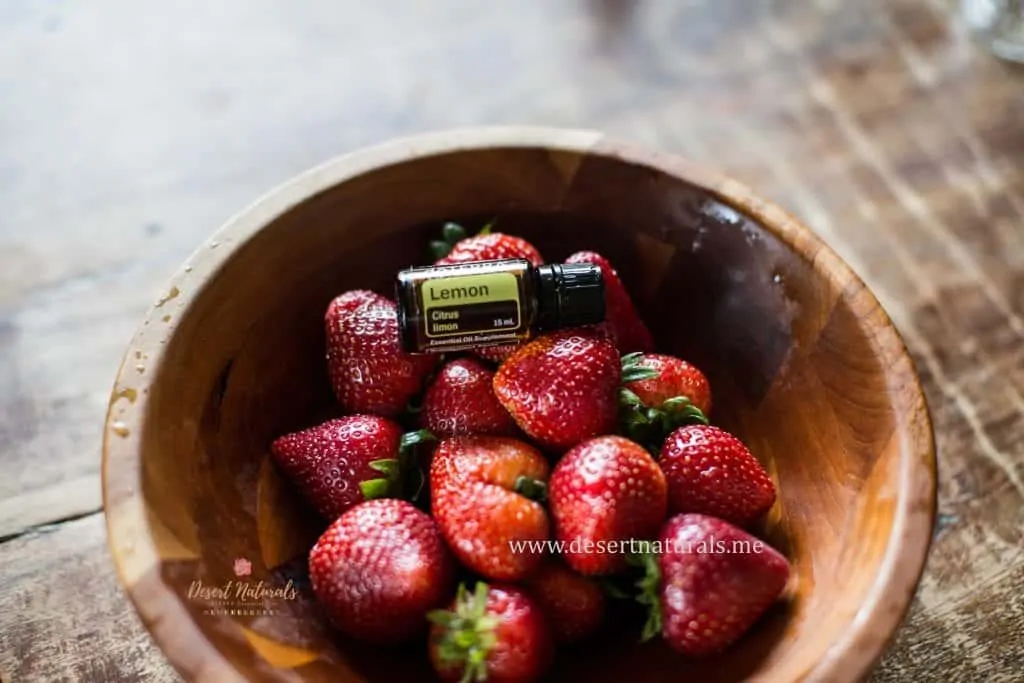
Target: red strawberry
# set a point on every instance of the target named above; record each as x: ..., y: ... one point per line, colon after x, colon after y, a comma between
x: 496, y: 354
x: 710, y: 471
x: 379, y: 569
x: 659, y: 394
x: 456, y: 247
x: 484, y: 493
x: 496, y: 634
x: 369, y: 371
x: 340, y: 463
x: 605, y: 490
x: 630, y: 332
x: 674, y: 378
x: 461, y: 401
x: 709, y: 583
x: 562, y: 388
x: 574, y: 604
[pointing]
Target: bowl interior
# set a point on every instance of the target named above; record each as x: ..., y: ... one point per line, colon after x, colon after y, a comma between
x: 792, y: 349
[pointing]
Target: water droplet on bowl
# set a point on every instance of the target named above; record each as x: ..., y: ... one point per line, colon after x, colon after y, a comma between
x: 170, y: 295
x: 127, y: 393
x: 120, y: 428
x: 140, y: 368
x: 214, y: 244
x: 188, y: 269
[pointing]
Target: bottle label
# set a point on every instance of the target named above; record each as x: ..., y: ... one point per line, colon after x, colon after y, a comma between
x: 471, y: 304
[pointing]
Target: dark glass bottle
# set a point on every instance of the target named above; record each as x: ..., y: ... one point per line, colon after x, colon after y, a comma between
x: 490, y: 303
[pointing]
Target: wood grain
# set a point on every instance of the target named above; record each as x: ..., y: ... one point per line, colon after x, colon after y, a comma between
x: 62, y: 615
x: 128, y: 138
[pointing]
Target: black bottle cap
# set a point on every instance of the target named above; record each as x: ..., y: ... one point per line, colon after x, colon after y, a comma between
x: 569, y: 295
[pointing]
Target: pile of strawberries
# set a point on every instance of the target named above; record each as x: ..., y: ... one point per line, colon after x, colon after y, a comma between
x: 544, y: 479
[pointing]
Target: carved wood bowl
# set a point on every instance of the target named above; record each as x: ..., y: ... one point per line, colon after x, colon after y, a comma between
x: 805, y: 365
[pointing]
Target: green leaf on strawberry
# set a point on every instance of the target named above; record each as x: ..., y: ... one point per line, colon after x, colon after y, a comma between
x: 451, y: 234
x: 403, y: 475
x: 534, y: 489
x: 469, y: 632
x: 649, y: 592
x: 632, y: 371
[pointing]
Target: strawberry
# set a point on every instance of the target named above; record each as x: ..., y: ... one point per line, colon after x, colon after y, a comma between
x: 671, y: 393
x: 496, y: 354
x: 461, y: 401
x: 710, y: 471
x: 456, y: 247
x: 573, y: 604
x: 708, y: 583
x: 340, y: 463
x: 630, y: 332
x: 605, y: 491
x: 485, y: 493
x: 379, y: 569
x: 496, y: 634
x: 674, y: 378
x: 369, y: 371
x: 562, y: 388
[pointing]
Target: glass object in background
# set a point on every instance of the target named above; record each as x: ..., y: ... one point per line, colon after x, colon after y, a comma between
x: 1000, y: 23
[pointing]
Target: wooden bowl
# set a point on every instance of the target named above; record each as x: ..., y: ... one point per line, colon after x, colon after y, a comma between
x: 805, y: 365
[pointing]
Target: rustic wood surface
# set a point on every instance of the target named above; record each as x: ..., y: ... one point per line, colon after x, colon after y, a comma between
x: 128, y: 131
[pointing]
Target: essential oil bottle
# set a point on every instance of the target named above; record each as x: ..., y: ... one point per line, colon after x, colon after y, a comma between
x: 490, y: 303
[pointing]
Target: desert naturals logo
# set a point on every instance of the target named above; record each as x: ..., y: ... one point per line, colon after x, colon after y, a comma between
x: 240, y: 597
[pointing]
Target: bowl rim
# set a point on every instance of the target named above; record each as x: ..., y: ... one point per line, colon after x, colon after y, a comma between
x: 129, y: 527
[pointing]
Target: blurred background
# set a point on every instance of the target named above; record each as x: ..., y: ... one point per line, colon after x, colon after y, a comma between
x: 130, y: 130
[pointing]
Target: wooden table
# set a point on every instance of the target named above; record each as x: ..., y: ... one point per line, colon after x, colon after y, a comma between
x: 129, y: 131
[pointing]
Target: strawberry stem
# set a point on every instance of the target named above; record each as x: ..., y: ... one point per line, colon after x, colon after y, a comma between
x: 412, y: 439
x: 399, y: 473
x: 531, y: 488
x: 651, y: 426
x: 635, y: 421
x: 469, y: 632
x: 632, y: 371
x: 649, y: 593
x: 375, y: 488
x: 412, y: 477
x: 680, y: 411
x: 388, y: 486
x: 452, y: 234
